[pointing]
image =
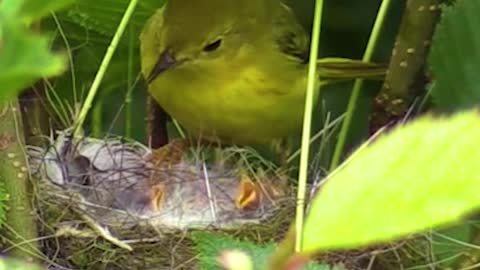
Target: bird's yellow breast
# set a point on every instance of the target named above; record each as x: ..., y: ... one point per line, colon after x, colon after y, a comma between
x: 241, y: 102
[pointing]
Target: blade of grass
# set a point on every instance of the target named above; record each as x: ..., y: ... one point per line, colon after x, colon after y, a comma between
x: 103, y: 66
x: 70, y: 57
x: 307, y: 124
x: 367, y: 56
x: 323, y: 132
x: 130, y: 77
x: 57, y: 105
x: 97, y: 115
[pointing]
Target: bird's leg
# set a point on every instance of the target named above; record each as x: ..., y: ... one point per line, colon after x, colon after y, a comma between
x: 282, y: 151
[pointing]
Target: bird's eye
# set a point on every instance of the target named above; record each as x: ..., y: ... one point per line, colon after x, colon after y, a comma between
x: 210, y: 47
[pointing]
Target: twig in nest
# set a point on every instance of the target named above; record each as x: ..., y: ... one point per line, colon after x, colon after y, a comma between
x: 103, y: 232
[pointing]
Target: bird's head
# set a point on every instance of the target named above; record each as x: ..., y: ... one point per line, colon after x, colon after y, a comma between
x: 196, y: 32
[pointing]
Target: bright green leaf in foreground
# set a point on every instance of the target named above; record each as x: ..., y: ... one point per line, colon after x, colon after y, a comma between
x: 24, y: 58
x: 24, y: 55
x: 455, y: 57
x: 10, y: 264
x: 419, y: 176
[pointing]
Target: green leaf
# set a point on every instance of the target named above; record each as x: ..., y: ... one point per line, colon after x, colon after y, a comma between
x: 24, y: 55
x: 24, y: 58
x: 9, y: 9
x: 419, y: 176
x: 209, y: 246
x: 455, y: 57
x: 29, y: 11
x: 33, y: 10
x: 448, y: 245
x: 103, y: 16
x: 7, y: 264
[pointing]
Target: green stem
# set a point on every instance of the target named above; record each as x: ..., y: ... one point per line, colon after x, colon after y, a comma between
x: 130, y: 84
x: 372, y: 43
x: 307, y: 124
x: 97, y: 117
x: 104, y: 65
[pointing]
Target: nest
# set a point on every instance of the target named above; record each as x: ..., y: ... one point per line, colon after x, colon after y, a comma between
x: 112, y: 204
x: 109, y: 204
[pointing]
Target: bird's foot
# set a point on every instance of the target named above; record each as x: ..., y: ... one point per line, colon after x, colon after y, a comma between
x: 170, y: 154
x: 282, y: 151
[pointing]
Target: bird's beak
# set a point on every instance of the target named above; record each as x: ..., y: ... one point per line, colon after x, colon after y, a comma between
x: 165, y: 61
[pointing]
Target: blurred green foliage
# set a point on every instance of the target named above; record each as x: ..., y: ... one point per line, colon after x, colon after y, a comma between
x: 406, y: 193
x: 7, y: 264
x: 210, y: 246
x: 455, y: 58
x: 19, y: 70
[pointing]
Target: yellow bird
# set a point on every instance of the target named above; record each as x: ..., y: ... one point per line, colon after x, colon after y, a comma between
x: 234, y: 70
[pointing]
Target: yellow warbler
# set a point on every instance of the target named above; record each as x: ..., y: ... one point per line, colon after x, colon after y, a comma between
x: 234, y: 70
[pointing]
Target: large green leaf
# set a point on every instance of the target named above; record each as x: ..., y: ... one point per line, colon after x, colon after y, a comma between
x: 419, y: 176
x: 455, y: 57
x: 24, y: 58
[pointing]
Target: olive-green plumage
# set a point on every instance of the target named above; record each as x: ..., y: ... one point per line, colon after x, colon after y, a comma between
x: 233, y: 70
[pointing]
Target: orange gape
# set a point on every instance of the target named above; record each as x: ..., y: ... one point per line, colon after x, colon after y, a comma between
x: 129, y: 184
x: 249, y: 196
x: 184, y: 196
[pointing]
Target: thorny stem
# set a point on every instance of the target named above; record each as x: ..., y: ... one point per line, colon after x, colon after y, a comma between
x: 407, y: 61
x: 15, y: 178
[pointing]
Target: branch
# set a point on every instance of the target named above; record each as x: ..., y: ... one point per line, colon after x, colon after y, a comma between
x: 407, y: 61
x: 15, y: 177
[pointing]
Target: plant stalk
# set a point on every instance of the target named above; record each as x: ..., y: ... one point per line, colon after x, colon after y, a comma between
x: 367, y: 56
x: 313, y: 82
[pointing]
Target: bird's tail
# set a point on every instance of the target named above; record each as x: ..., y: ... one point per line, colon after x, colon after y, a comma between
x: 341, y: 69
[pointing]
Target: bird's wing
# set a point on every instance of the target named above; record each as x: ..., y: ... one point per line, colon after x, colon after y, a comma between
x: 289, y: 35
x: 292, y: 40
